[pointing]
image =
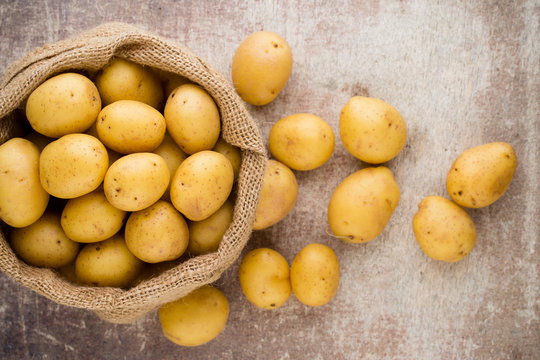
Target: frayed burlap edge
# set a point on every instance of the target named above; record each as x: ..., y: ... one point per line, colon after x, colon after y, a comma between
x: 90, y: 51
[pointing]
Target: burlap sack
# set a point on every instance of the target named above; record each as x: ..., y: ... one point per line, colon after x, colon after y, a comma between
x: 91, y: 51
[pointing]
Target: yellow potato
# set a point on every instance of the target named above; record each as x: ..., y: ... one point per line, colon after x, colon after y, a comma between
x: 301, y: 141
x: 443, y: 230
x: 157, y: 233
x: 481, y: 175
x: 44, y: 243
x: 372, y: 130
x: 64, y: 104
x: 39, y: 140
x: 129, y: 126
x: 362, y: 204
x: 107, y: 263
x: 124, y: 80
x: 22, y: 198
x: 261, y: 67
x: 315, y: 275
x: 173, y: 156
x: 264, y: 278
x: 278, y: 195
x: 196, y: 318
x: 73, y: 165
x: 68, y: 272
x: 136, y: 181
x: 202, y: 184
x: 172, y: 81
x: 232, y: 153
x: 91, y: 218
x: 192, y: 118
x: 205, y: 235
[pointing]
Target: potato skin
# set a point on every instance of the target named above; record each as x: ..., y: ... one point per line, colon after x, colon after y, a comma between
x: 64, y: 104
x: 44, y: 243
x: 205, y: 235
x: 301, y: 141
x: 278, y: 195
x: 128, y: 126
x: 192, y: 118
x: 372, y: 130
x: 201, y: 185
x: 261, y: 67
x: 443, y: 230
x: 362, y: 204
x: 264, y: 278
x: 73, y: 165
x: 22, y: 198
x: 232, y: 153
x: 196, y: 318
x: 315, y: 275
x: 481, y: 175
x: 173, y: 156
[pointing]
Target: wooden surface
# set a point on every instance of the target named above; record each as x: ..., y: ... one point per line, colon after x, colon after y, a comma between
x: 461, y: 73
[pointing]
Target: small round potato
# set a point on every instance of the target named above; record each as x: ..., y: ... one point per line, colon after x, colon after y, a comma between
x: 205, y: 235
x: 157, y: 233
x: 202, y: 184
x: 91, y: 218
x: 278, y: 195
x: 481, y: 175
x: 372, y: 130
x: 196, y: 318
x: 173, y: 156
x: 362, y: 204
x: 261, y: 67
x: 107, y: 263
x: 264, y: 278
x: 443, y: 230
x: 192, y: 118
x: 232, y: 153
x: 129, y: 126
x: 44, y: 243
x: 64, y: 104
x: 315, y: 275
x: 73, y: 165
x: 124, y: 80
x: 301, y: 141
x: 22, y: 198
x: 136, y: 181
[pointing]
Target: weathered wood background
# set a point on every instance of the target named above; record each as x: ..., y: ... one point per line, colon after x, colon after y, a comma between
x: 462, y: 73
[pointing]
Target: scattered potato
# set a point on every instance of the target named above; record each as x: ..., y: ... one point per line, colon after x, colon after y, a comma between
x: 264, y: 278
x: 481, y: 175
x: 196, y: 318
x: 232, y: 153
x: 443, y: 230
x: 205, y: 235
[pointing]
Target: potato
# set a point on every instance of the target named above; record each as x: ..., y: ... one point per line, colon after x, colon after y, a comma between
x: 261, y: 67
x: 315, y: 275
x: 73, y: 165
x: 124, y: 80
x: 264, y: 278
x: 44, y: 243
x: 173, y: 156
x: 107, y: 263
x: 372, y: 130
x: 232, y: 153
x: 481, y: 175
x: 171, y: 81
x: 202, y: 184
x: 91, y: 218
x: 129, y: 126
x: 157, y: 233
x: 68, y: 272
x: 301, y: 141
x: 205, y: 235
x: 192, y: 118
x: 278, y: 195
x: 196, y: 318
x: 22, y: 198
x: 362, y: 204
x: 443, y: 230
x: 64, y: 104
x: 39, y: 140
x: 136, y: 181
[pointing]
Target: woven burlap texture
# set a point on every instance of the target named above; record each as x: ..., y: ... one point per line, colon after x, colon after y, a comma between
x: 90, y: 51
